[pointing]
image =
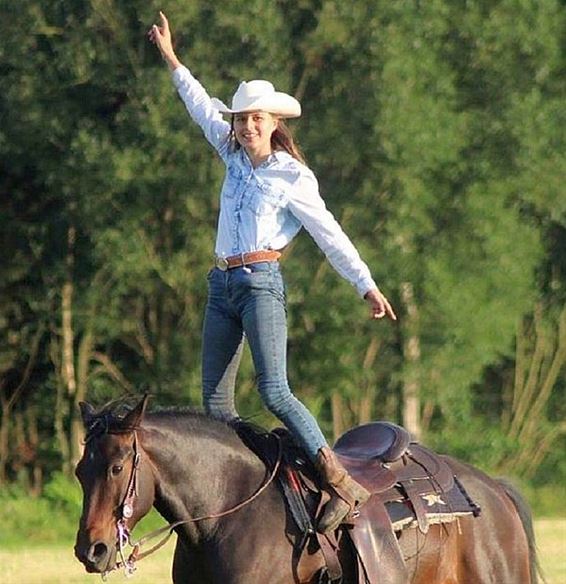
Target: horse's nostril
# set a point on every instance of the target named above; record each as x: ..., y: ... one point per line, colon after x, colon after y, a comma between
x: 97, y: 551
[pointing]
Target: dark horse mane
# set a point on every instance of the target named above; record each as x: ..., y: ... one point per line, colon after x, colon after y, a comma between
x: 110, y: 417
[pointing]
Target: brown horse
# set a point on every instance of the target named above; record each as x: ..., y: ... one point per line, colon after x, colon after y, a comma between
x: 234, y: 527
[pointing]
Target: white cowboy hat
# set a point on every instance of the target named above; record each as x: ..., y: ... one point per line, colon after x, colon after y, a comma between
x: 260, y: 95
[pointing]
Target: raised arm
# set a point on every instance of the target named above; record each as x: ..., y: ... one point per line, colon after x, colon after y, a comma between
x: 194, y: 96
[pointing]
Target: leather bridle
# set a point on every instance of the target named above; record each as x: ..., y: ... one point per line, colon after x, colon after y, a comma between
x: 126, y: 511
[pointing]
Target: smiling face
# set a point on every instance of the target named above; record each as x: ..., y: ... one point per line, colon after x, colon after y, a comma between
x: 253, y: 131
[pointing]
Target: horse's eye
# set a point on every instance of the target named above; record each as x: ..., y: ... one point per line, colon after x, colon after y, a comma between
x: 116, y: 469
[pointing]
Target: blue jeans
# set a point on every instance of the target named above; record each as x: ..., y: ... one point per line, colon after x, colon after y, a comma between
x: 250, y: 303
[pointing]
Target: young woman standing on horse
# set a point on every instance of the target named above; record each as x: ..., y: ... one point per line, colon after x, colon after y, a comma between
x: 267, y: 195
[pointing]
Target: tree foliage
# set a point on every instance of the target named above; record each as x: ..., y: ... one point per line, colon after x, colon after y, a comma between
x: 434, y: 129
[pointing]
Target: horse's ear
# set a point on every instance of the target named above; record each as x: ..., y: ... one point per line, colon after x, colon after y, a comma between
x: 87, y: 413
x: 134, y: 418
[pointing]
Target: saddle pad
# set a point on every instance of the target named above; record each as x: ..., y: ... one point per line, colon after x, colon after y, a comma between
x: 439, y: 508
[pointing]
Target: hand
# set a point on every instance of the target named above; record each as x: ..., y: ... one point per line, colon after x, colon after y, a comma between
x: 161, y: 37
x: 379, y: 305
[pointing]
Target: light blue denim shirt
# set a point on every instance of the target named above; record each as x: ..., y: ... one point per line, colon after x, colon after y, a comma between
x: 265, y: 207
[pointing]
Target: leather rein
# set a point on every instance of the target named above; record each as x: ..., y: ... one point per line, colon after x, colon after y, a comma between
x: 123, y: 536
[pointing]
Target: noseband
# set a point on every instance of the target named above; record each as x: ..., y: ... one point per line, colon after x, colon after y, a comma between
x: 123, y: 536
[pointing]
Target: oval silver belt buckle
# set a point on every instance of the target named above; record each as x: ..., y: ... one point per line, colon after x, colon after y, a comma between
x: 222, y: 264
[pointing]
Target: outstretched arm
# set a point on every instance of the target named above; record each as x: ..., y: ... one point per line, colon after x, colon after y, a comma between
x: 308, y: 207
x: 161, y: 37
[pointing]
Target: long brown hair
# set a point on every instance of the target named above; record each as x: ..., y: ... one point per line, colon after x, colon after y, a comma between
x: 281, y: 139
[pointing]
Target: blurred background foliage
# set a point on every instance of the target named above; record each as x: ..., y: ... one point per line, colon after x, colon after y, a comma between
x: 436, y: 130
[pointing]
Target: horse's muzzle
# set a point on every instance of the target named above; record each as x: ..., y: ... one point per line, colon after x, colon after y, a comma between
x: 98, y: 557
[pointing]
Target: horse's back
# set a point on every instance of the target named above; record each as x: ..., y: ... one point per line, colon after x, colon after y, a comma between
x: 494, y: 547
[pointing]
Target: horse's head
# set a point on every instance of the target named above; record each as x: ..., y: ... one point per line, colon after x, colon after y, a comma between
x: 117, y: 484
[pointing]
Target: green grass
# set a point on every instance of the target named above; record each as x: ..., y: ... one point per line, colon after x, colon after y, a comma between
x: 55, y: 564
x: 37, y: 537
x: 551, y: 544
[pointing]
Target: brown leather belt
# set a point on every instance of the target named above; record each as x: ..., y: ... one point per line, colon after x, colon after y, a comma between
x: 244, y: 259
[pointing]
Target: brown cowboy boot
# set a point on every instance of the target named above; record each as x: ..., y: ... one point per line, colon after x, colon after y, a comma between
x: 345, y: 493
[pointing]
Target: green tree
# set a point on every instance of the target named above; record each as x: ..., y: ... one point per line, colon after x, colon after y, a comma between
x: 435, y: 131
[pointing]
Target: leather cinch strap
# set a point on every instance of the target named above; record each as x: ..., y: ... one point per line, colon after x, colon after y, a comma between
x: 245, y: 259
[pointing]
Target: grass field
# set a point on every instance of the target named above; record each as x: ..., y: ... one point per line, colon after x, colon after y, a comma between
x: 551, y: 543
x: 56, y: 564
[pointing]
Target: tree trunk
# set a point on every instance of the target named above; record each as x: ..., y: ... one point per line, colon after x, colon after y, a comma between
x: 4, y: 436
x: 59, y: 415
x: 36, y: 473
x: 68, y: 388
x: 7, y: 403
x: 412, y: 355
x: 337, y: 415
x: 68, y: 352
x: 365, y: 402
x: 540, y: 357
x: 76, y: 429
x: 21, y: 458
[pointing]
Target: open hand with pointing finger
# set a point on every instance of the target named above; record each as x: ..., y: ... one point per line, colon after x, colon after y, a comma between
x: 161, y: 37
x: 379, y: 305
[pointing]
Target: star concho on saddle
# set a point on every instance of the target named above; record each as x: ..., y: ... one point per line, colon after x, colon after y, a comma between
x: 410, y: 487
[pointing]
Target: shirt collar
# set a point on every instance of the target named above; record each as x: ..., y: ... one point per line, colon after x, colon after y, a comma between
x: 276, y: 157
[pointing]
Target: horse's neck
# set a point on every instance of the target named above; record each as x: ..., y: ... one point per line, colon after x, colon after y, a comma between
x: 199, y: 473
